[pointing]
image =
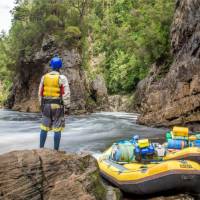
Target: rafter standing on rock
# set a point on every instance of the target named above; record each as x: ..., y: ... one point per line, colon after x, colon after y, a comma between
x: 54, y: 96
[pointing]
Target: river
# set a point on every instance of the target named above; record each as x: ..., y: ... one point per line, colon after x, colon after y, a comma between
x: 94, y: 132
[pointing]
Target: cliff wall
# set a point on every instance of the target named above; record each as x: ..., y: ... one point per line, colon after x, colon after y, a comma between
x: 85, y: 95
x: 175, y: 98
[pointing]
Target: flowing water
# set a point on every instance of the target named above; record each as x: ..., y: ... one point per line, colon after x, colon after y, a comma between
x: 94, y: 132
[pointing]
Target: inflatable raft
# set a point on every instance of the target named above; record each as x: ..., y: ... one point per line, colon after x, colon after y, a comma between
x: 141, y: 167
x: 151, y: 178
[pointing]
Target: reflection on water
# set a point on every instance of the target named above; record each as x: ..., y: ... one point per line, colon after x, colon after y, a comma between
x: 93, y: 132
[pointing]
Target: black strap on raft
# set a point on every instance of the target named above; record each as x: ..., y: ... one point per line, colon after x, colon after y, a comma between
x: 52, y: 101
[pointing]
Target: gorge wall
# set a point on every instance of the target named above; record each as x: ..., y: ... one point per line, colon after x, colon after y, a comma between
x: 175, y: 98
x: 85, y: 95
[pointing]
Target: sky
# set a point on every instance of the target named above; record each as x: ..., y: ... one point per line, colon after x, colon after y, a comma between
x: 5, y: 16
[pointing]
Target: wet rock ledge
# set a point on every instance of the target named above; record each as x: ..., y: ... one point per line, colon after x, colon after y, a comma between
x: 50, y: 175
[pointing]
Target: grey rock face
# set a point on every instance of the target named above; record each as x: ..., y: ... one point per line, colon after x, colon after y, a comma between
x: 24, y: 97
x: 76, y: 77
x: 25, y: 88
x: 99, y: 94
x: 175, y: 99
x: 121, y: 103
x: 50, y: 175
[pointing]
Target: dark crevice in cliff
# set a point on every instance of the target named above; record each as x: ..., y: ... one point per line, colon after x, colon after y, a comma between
x: 171, y: 118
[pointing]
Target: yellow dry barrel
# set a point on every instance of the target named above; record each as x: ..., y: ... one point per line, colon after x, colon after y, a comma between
x: 143, y: 143
x: 180, y: 131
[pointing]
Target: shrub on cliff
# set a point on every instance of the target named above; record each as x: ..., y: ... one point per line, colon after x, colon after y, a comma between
x: 72, y: 34
x: 5, y: 74
x: 34, y: 19
x: 52, y: 23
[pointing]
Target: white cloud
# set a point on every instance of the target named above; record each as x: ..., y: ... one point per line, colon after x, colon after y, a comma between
x: 5, y: 17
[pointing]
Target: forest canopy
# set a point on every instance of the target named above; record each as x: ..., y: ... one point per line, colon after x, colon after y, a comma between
x: 132, y: 35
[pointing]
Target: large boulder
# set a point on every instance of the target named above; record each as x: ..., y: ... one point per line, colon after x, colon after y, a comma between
x: 24, y: 94
x: 121, y: 103
x: 99, y: 93
x: 51, y: 175
x: 175, y: 98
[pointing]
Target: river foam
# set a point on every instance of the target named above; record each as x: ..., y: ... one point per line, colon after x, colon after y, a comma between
x: 92, y: 133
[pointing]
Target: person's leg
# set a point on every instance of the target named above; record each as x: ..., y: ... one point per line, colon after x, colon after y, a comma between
x: 43, y: 136
x: 58, y: 124
x: 57, y: 137
x: 46, y: 124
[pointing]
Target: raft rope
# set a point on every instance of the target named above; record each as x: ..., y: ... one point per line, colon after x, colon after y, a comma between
x: 143, y: 168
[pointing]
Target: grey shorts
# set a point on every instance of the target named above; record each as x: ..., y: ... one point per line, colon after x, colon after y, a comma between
x: 53, y: 117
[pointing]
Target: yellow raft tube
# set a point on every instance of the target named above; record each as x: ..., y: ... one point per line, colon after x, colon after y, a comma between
x: 190, y: 153
x: 151, y: 178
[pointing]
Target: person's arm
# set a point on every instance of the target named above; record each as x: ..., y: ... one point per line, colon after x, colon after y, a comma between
x: 65, y: 90
x: 40, y: 91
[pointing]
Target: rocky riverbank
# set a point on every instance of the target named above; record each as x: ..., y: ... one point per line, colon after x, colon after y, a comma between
x: 47, y: 174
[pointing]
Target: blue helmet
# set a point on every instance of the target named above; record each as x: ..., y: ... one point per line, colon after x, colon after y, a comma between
x: 56, y: 62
